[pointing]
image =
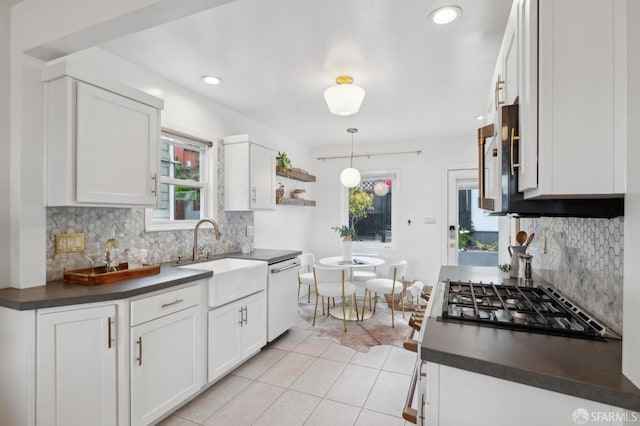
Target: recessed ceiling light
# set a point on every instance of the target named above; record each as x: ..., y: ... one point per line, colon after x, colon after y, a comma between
x: 445, y: 15
x: 479, y: 117
x: 209, y: 79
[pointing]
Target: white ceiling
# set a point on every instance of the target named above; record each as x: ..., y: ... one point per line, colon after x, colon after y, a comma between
x: 277, y: 57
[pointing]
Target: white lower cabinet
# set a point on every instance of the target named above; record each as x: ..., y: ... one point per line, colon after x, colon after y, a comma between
x: 459, y: 397
x: 76, y: 366
x: 167, y: 360
x: 236, y: 332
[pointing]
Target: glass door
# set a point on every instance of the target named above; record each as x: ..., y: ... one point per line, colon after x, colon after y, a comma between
x: 473, y: 234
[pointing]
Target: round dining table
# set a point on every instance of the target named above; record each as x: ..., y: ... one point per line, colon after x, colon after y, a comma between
x: 357, y: 262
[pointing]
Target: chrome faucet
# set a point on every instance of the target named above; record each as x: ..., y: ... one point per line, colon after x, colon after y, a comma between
x: 195, y: 235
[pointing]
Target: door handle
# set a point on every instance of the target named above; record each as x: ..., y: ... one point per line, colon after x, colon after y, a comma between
x: 139, y: 359
x: 496, y: 95
x: 513, y: 139
x: 278, y: 270
x: 109, y: 338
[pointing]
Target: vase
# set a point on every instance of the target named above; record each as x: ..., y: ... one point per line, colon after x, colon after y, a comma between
x: 347, y: 251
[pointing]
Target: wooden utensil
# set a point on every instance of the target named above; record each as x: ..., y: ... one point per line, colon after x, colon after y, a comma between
x: 521, y: 237
x: 529, y: 239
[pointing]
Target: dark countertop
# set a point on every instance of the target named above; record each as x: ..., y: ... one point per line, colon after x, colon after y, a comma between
x: 584, y: 368
x: 61, y: 293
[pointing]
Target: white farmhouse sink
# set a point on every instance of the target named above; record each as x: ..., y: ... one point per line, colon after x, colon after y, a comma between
x: 233, y: 279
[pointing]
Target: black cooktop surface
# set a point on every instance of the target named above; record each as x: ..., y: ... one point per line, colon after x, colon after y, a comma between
x: 537, y: 309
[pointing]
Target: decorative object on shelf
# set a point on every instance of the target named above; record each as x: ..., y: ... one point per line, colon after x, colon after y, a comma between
x: 345, y: 97
x: 284, y: 163
x: 350, y: 177
x: 299, y: 194
x: 279, y: 192
x: 295, y: 175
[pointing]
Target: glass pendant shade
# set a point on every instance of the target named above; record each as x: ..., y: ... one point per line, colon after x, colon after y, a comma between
x: 350, y: 177
x: 380, y: 189
x: 344, y: 98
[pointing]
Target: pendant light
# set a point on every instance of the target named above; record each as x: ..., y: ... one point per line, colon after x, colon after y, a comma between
x: 345, y: 97
x: 350, y: 177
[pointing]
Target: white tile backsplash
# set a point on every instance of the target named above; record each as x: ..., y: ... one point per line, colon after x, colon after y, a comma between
x: 583, y: 260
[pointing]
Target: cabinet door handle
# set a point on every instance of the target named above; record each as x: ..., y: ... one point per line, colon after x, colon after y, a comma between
x: 498, y: 88
x: 154, y: 178
x: 278, y: 270
x: 139, y: 359
x: 175, y: 302
x: 253, y: 194
x: 241, y: 310
x: 246, y: 315
x: 422, y: 408
x: 513, y: 139
x: 109, y: 338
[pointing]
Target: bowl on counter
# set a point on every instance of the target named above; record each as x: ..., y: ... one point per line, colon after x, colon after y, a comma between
x: 299, y: 194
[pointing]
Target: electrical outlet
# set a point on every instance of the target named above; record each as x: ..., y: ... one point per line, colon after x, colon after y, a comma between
x: 68, y: 243
x: 249, y: 231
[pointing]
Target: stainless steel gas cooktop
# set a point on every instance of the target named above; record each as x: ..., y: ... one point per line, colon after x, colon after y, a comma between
x: 538, y: 309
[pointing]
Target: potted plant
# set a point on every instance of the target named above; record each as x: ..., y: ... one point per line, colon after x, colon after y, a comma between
x: 505, y: 268
x: 348, y: 235
x: 283, y: 162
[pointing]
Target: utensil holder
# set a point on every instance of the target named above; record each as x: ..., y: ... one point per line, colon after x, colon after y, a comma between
x: 514, y: 252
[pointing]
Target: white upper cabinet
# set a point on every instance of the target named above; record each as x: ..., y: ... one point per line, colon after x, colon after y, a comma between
x: 572, y: 97
x: 102, y: 141
x: 249, y: 175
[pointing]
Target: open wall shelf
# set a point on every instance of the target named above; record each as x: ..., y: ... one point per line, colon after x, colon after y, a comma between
x: 295, y: 202
x: 302, y: 177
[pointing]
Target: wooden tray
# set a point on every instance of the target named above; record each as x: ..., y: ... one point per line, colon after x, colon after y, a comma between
x: 98, y: 275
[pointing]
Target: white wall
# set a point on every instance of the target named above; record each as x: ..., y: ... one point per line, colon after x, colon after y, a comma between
x: 631, y: 291
x: 5, y: 146
x: 420, y: 192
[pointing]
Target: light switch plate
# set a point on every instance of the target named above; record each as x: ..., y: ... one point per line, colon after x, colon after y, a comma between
x: 249, y: 231
x: 430, y: 220
x: 68, y: 243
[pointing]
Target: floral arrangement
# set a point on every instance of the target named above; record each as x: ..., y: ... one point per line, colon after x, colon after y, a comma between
x: 346, y: 232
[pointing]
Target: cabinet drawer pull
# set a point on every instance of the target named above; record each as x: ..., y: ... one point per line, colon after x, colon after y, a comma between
x: 513, y: 139
x: 139, y: 359
x: 241, y: 311
x: 154, y: 191
x: 109, y: 338
x: 278, y: 270
x: 246, y: 315
x: 497, y: 100
x: 175, y: 302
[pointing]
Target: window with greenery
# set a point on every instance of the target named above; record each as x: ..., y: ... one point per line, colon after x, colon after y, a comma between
x: 371, y: 208
x: 184, y: 184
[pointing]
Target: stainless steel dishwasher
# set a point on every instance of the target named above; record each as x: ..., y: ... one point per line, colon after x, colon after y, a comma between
x: 282, y: 297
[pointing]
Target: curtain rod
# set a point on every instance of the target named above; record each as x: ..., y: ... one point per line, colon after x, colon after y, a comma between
x: 418, y: 152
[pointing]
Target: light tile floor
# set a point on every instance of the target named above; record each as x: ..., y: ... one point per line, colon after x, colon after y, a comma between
x: 301, y: 380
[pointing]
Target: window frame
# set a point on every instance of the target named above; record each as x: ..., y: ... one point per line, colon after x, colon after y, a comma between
x: 207, y: 183
x: 394, y: 174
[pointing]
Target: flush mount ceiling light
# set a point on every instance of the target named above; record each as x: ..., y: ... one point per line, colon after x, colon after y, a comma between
x: 445, y: 15
x: 210, y: 79
x: 345, y: 97
x: 350, y: 177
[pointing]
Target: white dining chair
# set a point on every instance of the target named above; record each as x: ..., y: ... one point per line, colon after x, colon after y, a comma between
x: 391, y: 285
x: 305, y: 273
x: 331, y: 282
x: 362, y: 275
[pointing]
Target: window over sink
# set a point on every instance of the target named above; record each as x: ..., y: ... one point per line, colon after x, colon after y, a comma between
x: 186, y: 185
